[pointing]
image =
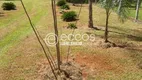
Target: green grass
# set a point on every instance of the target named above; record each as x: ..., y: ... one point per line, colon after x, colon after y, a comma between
x: 20, y: 51
x: 20, y: 31
x: 16, y: 14
x: 133, y: 12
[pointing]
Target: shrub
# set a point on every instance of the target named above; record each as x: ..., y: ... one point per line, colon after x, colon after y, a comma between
x: 72, y: 26
x: 69, y: 16
x: 9, y: 6
x: 61, y: 2
x: 66, y: 7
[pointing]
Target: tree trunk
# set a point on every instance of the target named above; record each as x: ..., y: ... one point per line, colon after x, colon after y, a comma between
x: 119, y: 7
x: 96, y: 1
x: 56, y: 33
x: 118, y: 0
x: 137, y: 10
x: 106, y: 29
x: 90, y: 15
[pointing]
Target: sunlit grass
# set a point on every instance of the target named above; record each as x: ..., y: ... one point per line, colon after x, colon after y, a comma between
x: 133, y: 13
x: 19, y: 46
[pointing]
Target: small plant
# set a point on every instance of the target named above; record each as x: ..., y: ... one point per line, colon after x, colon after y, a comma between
x: 9, y: 6
x: 66, y: 7
x: 69, y: 16
x: 72, y: 26
x: 61, y: 2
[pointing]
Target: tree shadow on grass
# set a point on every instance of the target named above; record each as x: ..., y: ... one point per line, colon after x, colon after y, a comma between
x: 134, y: 50
x: 1, y: 14
x: 134, y: 35
x: 73, y: 20
x: 118, y: 35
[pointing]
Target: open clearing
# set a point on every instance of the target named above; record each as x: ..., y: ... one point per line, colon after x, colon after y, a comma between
x: 21, y: 56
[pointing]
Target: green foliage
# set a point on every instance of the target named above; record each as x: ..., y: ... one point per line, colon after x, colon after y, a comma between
x: 61, y: 2
x: 72, y: 26
x: 9, y: 6
x: 66, y: 7
x: 69, y: 16
x: 109, y: 5
x: 123, y: 11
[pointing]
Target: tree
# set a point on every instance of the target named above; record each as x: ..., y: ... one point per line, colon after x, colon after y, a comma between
x: 109, y: 5
x: 137, y: 10
x: 90, y: 25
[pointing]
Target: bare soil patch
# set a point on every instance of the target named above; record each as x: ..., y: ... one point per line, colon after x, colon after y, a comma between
x: 69, y: 71
x: 81, y: 67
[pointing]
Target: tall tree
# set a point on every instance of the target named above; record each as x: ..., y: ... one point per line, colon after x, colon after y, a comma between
x: 137, y: 10
x: 90, y: 25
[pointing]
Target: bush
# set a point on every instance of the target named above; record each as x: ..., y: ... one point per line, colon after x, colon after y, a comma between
x: 66, y: 7
x: 61, y: 2
x: 69, y: 16
x: 9, y: 6
x: 72, y: 26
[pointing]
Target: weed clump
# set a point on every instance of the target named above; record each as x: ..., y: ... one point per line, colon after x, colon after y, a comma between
x: 72, y: 26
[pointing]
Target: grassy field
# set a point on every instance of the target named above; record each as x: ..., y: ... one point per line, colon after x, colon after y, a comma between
x: 21, y: 57
x: 133, y: 11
